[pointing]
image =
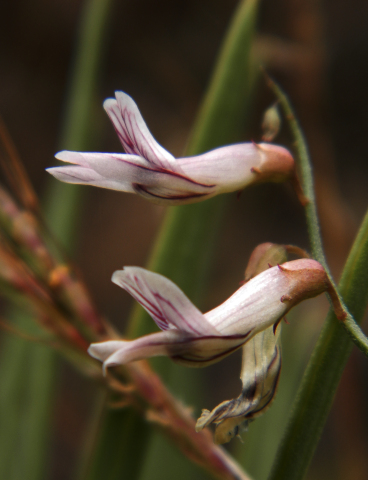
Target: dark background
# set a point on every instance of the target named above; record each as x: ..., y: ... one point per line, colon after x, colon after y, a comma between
x: 162, y: 54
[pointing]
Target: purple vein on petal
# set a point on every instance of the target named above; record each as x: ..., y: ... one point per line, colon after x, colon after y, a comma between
x: 149, y: 306
x: 140, y: 189
x: 200, y: 359
x: 188, y: 324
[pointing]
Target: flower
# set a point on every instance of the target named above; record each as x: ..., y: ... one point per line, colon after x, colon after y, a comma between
x: 195, y: 339
x: 261, y: 367
x: 152, y: 172
x: 261, y: 362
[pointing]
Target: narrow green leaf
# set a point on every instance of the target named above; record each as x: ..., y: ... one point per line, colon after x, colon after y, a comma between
x: 183, y: 249
x: 26, y: 379
x: 113, y: 457
x: 185, y: 244
x: 322, y: 376
x: 324, y: 370
x: 64, y: 202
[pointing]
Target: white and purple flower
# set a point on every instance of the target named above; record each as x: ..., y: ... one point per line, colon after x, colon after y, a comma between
x: 195, y: 339
x: 152, y: 172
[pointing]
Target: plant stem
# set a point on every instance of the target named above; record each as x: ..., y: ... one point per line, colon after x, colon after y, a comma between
x: 322, y: 376
x: 352, y: 328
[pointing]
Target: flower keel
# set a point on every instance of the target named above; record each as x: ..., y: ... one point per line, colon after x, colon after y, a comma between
x: 197, y: 340
x: 148, y: 170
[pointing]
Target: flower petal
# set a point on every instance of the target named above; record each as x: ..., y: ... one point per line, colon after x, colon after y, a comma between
x: 102, y: 350
x: 105, y: 170
x: 203, y: 351
x: 170, y: 194
x: 267, y: 297
x: 133, y: 132
x: 182, y: 347
x: 114, y: 353
x: 255, y: 305
x: 234, y: 167
x: 129, y: 173
x: 163, y: 300
x: 78, y: 175
x: 261, y: 366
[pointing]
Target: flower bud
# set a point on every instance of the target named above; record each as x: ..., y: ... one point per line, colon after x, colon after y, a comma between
x: 271, y: 123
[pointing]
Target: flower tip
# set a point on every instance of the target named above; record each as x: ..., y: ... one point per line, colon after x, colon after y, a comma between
x: 307, y: 279
x: 109, y: 103
x: 277, y: 164
x: 123, y: 97
x: 56, y: 172
x: 63, y: 155
x: 117, y: 276
x: 93, y: 351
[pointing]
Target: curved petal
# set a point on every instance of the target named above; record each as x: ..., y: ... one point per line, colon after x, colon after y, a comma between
x: 163, y: 300
x: 175, y: 191
x: 129, y: 173
x: 255, y: 305
x: 203, y: 351
x: 79, y: 175
x: 261, y: 366
x: 106, y: 170
x: 267, y: 297
x: 234, y: 167
x: 115, y: 353
x: 102, y: 350
x: 133, y: 132
x: 182, y: 347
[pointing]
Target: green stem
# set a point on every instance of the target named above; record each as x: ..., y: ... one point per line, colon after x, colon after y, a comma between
x: 306, y: 175
x: 352, y: 328
x: 322, y: 376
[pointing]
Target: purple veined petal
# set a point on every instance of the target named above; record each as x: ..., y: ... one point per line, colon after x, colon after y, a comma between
x: 234, y: 167
x: 206, y: 350
x: 267, y: 297
x: 184, y: 348
x: 129, y: 173
x: 78, y: 175
x: 229, y: 167
x: 124, y: 351
x: 133, y: 132
x: 163, y: 300
x: 179, y: 192
x: 256, y: 305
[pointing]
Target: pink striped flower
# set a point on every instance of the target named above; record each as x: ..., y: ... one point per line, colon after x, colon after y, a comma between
x: 195, y: 339
x: 152, y: 172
